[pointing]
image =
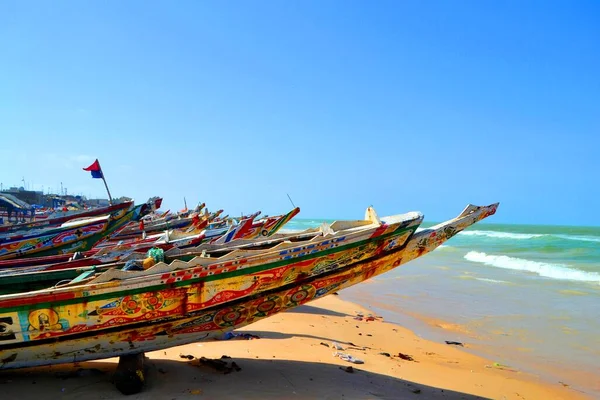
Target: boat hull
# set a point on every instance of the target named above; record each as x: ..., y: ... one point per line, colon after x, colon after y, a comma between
x: 64, y: 240
x: 206, y: 325
x: 59, y: 217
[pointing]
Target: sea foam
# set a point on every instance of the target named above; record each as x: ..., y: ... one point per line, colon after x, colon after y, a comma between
x: 502, y: 235
x: 580, y: 238
x: 491, y: 280
x: 525, y: 236
x: 548, y: 270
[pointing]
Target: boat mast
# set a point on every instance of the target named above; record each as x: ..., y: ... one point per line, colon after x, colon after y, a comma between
x: 110, y: 202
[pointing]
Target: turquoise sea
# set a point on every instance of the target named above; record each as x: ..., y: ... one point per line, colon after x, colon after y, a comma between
x: 527, y: 296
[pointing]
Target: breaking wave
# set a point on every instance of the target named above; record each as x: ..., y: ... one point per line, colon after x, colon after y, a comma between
x: 526, y: 236
x: 580, y: 238
x: 502, y: 235
x: 547, y: 270
x: 491, y: 280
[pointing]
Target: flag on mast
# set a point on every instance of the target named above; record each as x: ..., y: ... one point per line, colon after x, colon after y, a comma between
x: 95, y: 170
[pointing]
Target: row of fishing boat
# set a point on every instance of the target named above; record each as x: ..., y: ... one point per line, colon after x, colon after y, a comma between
x: 117, y: 230
x: 134, y: 280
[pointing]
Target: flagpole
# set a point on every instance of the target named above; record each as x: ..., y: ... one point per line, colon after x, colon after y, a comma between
x: 106, y: 186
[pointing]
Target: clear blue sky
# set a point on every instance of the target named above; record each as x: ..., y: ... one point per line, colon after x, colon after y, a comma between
x: 404, y: 105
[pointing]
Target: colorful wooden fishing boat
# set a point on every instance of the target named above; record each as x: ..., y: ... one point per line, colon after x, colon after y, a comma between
x: 72, y: 236
x: 111, y: 252
x: 267, y: 226
x: 127, y: 312
x: 133, y: 230
x: 195, y: 229
x: 17, y: 275
x: 58, y: 217
x: 160, y: 225
x: 246, y: 229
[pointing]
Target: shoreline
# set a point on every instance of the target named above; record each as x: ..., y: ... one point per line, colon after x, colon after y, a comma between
x: 504, y: 342
x: 294, y: 358
x: 486, y: 346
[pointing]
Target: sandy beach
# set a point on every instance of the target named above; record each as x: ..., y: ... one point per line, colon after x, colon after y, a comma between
x: 294, y: 359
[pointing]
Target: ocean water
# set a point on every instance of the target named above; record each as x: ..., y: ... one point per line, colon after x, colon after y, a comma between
x: 523, y: 295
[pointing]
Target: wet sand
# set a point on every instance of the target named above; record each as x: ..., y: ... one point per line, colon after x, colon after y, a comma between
x: 440, y: 309
x: 293, y: 359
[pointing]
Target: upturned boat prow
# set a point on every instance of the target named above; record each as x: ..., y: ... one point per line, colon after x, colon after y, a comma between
x: 429, y: 239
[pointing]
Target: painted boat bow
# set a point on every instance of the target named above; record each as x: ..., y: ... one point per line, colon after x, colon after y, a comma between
x: 427, y: 240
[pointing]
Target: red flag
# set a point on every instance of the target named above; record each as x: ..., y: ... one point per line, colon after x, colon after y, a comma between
x: 95, y: 169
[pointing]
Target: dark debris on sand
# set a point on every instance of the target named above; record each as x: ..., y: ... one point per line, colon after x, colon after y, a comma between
x: 220, y: 365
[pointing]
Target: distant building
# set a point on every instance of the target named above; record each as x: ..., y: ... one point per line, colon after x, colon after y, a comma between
x: 97, y: 202
x: 39, y: 199
x: 28, y: 196
x: 14, y: 209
